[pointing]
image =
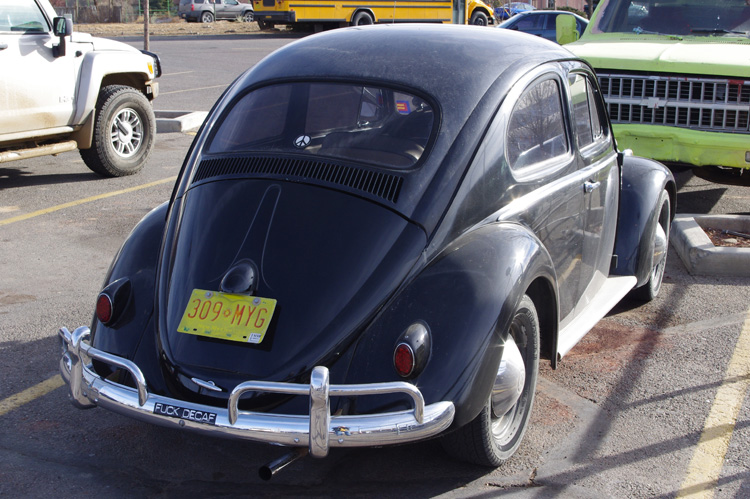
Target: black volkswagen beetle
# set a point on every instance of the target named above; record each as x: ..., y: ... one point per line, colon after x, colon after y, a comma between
x: 375, y: 237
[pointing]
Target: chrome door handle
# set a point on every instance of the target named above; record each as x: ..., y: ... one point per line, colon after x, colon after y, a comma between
x: 589, y: 187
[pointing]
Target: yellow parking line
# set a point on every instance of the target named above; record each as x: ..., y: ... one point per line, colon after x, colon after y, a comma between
x: 705, y: 467
x: 26, y: 396
x: 83, y: 201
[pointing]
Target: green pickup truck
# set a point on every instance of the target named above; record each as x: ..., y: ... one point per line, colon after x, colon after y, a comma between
x: 676, y: 77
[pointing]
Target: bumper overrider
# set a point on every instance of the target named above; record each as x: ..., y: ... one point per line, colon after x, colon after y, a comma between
x: 319, y: 431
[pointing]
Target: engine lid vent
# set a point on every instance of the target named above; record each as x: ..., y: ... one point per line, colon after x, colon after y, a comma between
x: 378, y: 184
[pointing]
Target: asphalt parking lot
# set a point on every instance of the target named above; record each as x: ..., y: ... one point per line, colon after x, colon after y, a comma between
x: 652, y: 403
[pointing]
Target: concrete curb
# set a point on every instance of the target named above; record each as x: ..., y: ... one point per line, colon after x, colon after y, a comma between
x: 179, y: 121
x: 699, y: 254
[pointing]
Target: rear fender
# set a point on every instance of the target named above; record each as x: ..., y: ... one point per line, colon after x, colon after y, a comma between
x: 136, y: 261
x: 643, y: 180
x: 466, y: 297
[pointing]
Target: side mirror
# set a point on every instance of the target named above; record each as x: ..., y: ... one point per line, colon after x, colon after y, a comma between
x: 566, y: 29
x: 61, y: 27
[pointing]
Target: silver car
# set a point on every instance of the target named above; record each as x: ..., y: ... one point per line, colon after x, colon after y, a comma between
x: 206, y: 11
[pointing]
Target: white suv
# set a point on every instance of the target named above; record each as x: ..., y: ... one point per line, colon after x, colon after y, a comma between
x: 62, y: 90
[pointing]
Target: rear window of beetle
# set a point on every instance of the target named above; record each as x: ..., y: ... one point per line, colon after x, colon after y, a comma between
x: 367, y: 124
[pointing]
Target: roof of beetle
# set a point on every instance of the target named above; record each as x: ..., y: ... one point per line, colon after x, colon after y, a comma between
x: 466, y: 71
x: 446, y: 61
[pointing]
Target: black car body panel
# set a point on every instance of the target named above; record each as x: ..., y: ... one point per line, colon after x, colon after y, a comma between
x: 309, y: 255
x: 448, y: 196
x: 642, y: 181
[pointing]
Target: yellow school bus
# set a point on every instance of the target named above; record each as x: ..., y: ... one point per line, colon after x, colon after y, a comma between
x: 268, y: 13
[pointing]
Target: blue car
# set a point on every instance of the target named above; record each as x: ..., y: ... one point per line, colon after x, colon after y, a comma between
x: 511, y: 9
x: 542, y: 23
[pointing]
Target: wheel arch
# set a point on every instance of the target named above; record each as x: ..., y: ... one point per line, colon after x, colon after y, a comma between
x: 542, y: 291
x: 643, y: 181
x: 366, y: 10
x: 484, y: 11
x: 99, y: 70
x: 481, y: 9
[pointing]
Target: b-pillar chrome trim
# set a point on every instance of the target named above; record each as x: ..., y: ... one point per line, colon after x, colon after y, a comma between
x: 319, y: 431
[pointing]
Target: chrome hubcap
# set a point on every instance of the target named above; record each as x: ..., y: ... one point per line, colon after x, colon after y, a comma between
x: 507, y: 390
x: 660, y: 253
x: 510, y: 379
x: 660, y: 245
x: 126, y: 133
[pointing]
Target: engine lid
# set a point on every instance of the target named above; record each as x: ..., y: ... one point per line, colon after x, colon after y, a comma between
x: 327, y: 259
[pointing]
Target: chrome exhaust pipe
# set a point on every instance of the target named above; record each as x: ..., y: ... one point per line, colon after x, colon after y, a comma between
x: 269, y: 470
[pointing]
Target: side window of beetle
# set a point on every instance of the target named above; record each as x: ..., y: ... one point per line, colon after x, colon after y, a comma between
x: 536, y: 130
x: 587, y: 113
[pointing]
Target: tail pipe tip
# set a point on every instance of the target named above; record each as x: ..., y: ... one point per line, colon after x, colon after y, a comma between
x: 269, y: 470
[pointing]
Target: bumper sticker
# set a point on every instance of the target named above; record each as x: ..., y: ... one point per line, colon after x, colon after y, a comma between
x: 174, y: 411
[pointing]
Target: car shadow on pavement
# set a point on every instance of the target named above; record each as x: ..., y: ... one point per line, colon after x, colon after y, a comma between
x: 13, y: 178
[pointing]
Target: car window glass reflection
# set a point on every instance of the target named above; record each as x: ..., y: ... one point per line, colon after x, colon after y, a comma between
x: 536, y: 131
x: 341, y: 121
x: 17, y: 17
x: 588, y: 128
x: 581, y: 111
x: 530, y: 22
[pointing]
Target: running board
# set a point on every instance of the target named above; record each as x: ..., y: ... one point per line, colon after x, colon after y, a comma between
x: 613, y: 290
x: 35, y: 152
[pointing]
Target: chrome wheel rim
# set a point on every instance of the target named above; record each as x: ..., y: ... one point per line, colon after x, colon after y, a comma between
x: 126, y: 133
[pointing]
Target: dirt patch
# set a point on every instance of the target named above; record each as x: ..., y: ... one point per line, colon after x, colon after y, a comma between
x: 595, y: 366
x: 15, y: 299
x: 549, y: 411
x: 725, y: 238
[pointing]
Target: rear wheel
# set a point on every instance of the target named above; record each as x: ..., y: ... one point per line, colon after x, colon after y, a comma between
x: 248, y: 16
x: 124, y: 130
x: 496, y: 433
x: 362, y: 19
x: 659, y: 245
x: 479, y: 19
x: 207, y: 17
x: 262, y: 24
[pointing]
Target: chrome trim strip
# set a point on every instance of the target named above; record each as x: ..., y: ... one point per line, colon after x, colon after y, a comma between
x: 319, y: 430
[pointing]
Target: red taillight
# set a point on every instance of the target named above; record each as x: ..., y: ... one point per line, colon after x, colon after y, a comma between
x: 104, y: 308
x: 403, y: 360
x: 192, y: 7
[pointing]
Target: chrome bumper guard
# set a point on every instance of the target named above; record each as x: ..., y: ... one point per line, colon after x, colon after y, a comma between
x: 319, y: 430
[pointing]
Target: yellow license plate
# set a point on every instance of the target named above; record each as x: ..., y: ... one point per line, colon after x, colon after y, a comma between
x: 227, y: 316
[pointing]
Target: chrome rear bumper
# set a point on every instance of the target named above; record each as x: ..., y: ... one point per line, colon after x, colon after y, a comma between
x: 319, y: 431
